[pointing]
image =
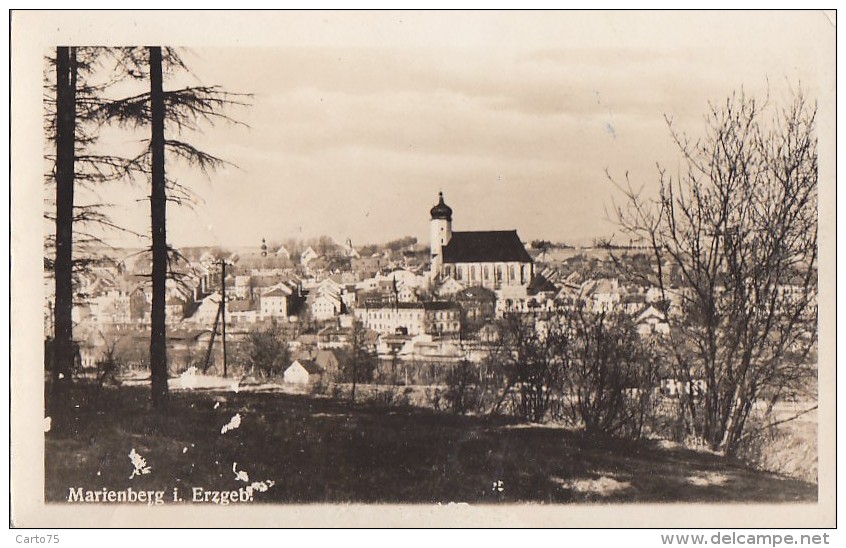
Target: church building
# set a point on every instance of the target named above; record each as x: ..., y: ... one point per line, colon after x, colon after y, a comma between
x: 492, y: 259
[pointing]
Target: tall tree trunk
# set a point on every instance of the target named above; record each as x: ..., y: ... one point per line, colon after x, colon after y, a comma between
x: 158, y: 210
x: 63, y: 354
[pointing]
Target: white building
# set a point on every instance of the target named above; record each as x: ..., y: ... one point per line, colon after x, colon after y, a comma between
x: 275, y: 301
x: 326, y: 306
x: 651, y: 322
x: 436, y: 318
x: 303, y: 372
x: 307, y: 256
x: 491, y: 259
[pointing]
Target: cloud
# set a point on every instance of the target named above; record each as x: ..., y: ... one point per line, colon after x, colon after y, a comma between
x: 514, y: 127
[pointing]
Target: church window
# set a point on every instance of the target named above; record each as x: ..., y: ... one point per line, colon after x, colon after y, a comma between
x: 486, y: 273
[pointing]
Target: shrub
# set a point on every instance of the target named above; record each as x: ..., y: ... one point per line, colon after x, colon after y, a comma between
x: 460, y: 391
x: 267, y: 350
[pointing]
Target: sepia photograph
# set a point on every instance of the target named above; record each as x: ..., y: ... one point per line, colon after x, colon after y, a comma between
x: 422, y: 269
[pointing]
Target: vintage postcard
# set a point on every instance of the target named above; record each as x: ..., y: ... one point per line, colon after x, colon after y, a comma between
x: 423, y: 269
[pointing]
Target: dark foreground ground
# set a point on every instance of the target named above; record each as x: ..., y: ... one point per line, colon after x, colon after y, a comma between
x: 320, y: 450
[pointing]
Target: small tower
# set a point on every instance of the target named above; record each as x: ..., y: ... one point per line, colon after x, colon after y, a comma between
x: 440, y: 232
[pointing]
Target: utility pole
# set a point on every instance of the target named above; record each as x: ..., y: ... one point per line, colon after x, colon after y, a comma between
x: 223, y: 309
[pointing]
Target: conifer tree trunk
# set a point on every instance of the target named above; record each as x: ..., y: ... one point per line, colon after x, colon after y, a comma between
x: 63, y: 353
x: 158, y: 210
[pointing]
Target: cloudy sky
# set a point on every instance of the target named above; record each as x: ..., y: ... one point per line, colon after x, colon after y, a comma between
x: 359, y: 119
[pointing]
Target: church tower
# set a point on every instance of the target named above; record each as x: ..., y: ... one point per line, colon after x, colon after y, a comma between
x: 440, y: 232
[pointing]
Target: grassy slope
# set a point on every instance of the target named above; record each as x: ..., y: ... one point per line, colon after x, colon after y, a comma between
x: 318, y: 450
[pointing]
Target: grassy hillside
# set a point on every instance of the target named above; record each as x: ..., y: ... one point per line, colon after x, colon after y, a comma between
x: 320, y: 450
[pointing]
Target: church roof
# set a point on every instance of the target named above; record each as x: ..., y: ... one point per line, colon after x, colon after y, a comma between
x: 441, y: 210
x: 485, y: 247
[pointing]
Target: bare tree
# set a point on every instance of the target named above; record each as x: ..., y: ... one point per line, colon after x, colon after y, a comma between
x: 610, y: 373
x: 528, y: 358
x: 734, y: 243
x: 462, y: 382
x: 357, y: 361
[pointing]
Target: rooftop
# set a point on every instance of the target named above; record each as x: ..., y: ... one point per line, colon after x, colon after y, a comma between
x: 310, y: 366
x: 485, y: 247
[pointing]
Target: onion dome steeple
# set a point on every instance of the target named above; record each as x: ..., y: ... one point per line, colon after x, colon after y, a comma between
x: 441, y: 210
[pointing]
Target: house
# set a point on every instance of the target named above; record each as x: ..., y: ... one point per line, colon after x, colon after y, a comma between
x: 387, y: 318
x: 442, y: 318
x: 326, y: 306
x: 243, y: 286
x: 426, y: 348
x: 633, y: 303
x: 206, y: 311
x: 112, y: 307
x: 437, y: 318
x: 328, y: 360
x: 367, y: 265
x: 350, y: 251
x: 478, y: 305
x: 303, y: 372
x: 283, y: 253
x: 403, y: 278
x: 390, y: 345
x: 261, y: 262
x: 333, y: 337
x: 348, y: 296
x: 329, y: 286
x: 319, y: 266
x: 449, y: 287
x: 605, y: 295
x: 350, y: 278
x: 174, y: 310
x: 542, y: 285
x: 307, y: 256
x: 139, y: 307
x: 241, y: 311
x: 652, y: 321
x: 274, y: 303
x: 306, y: 342
x: 515, y: 299
x: 407, y: 295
